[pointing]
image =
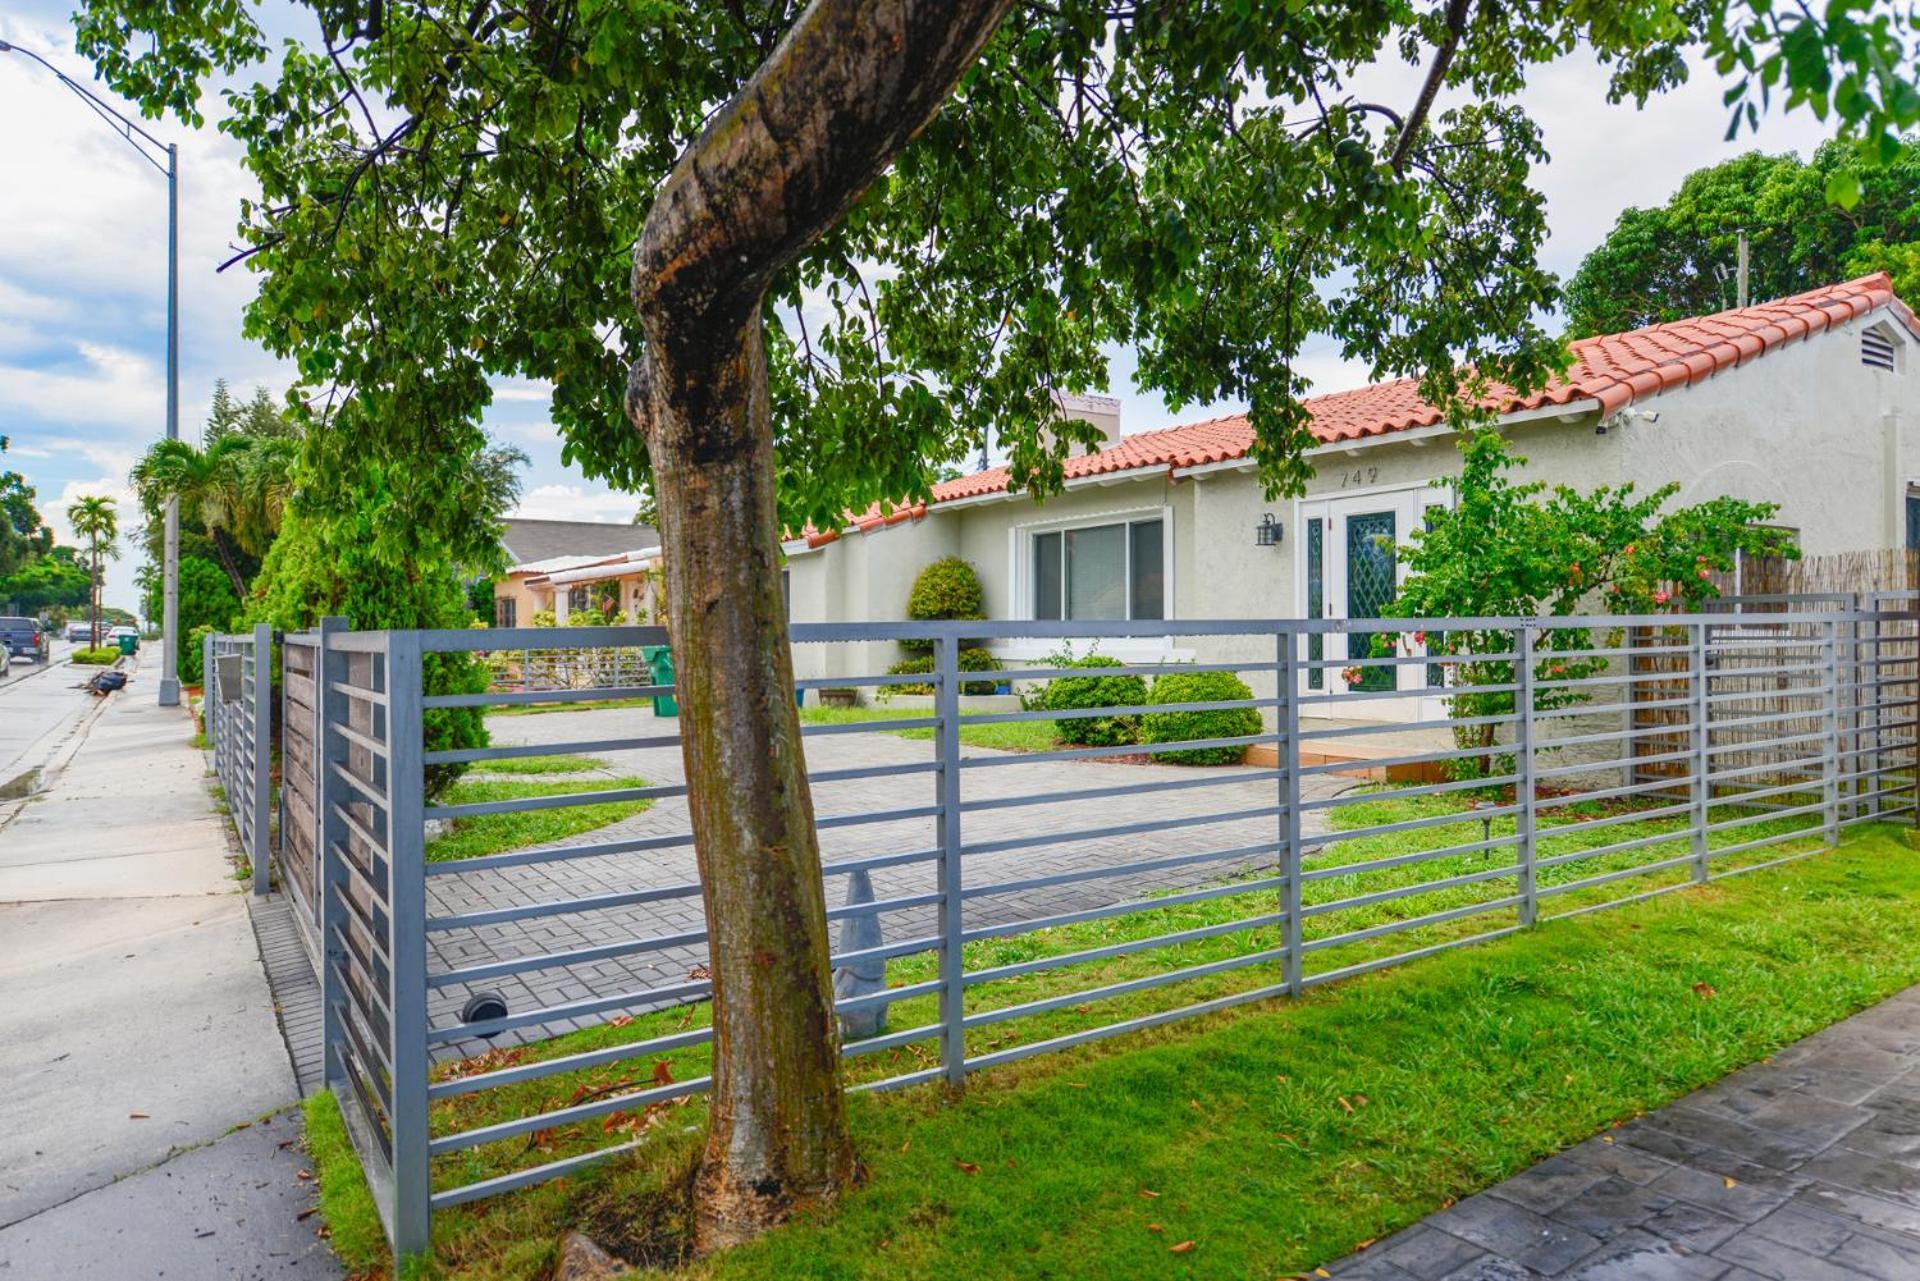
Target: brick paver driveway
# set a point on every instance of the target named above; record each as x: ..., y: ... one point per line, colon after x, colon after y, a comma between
x: 1227, y: 817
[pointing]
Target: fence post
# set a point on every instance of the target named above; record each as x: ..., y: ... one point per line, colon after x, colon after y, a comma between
x: 1701, y: 866
x: 1288, y: 648
x: 1523, y: 786
x: 1830, y: 772
x: 260, y: 793
x: 953, y: 1004
x: 329, y: 835
x: 209, y: 705
x: 407, y: 942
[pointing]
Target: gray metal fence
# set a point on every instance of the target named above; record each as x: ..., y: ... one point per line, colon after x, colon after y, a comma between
x: 237, y: 680
x: 1021, y: 902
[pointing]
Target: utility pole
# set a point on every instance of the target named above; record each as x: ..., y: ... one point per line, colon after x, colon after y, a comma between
x: 170, y: 568
x: 1741, y: 293
x: 141, y: 140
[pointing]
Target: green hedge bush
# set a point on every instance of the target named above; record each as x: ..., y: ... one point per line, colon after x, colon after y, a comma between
x: 947, y: 589
x: 1077, y: 693
x: 101, y: 657
x: 972, y: 659
x: 1181, y: 727
x: 193, y: 655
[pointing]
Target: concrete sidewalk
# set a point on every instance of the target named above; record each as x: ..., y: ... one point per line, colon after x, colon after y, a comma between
x: 138, y: 1024
x: 1803, y: 1168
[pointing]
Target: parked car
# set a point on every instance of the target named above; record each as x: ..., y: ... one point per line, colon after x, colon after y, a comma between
x: 81, y: 633
x: 22, y: 638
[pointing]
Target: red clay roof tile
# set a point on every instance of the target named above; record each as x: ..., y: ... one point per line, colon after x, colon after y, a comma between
x: 1614, y: 370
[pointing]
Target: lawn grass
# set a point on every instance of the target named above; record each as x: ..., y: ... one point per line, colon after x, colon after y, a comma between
x: 561, y: 764
x: 1009, y: 736
x: 1459, y: 1069
x: 543, y: 709
x: 496, y: 833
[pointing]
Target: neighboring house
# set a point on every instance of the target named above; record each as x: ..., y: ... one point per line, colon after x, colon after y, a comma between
x: 571, y: 565
x: 1811, y: 402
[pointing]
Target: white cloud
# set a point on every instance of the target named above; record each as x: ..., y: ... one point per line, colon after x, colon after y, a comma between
x: 97, y: 384
x: 576, y: 502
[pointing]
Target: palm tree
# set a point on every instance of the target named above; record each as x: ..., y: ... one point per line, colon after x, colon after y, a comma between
x: 211, y: 487
x: 96, y: 524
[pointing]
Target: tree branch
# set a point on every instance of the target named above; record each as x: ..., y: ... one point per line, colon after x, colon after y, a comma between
x: 845, y: 91
x: 1457, y: 13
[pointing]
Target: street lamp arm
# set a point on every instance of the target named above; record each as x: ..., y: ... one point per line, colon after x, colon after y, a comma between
x: 122, y: 123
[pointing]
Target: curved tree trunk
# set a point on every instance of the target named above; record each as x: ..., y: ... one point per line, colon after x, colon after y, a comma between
x: 223, y: 548
x: 847, y: 88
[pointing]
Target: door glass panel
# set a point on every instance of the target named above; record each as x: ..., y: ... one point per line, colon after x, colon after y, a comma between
x: 1316, y: 600
x: 1046, y: 575
x: 1149, y: 581
x: 1097, y: 572
x: 1370, y: 585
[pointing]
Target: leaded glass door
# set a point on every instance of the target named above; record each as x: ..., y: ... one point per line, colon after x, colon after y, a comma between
x: 1370, y: 566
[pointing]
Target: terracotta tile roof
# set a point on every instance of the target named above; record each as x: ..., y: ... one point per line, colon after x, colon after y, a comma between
x: 1613, y: 370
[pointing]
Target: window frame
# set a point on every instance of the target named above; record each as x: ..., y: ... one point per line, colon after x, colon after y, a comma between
x: 1025, y: 575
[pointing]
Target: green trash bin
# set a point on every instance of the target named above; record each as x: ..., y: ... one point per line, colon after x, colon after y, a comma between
x: 128, y: 644
x: 659, y: 661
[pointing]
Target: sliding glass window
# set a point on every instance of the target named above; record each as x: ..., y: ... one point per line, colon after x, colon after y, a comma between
x: 1115, y: 571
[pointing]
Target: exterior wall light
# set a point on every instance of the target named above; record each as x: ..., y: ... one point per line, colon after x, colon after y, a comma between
x: 1268, y: 532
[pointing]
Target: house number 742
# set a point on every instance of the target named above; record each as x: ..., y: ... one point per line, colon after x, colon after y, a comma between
x: 1359, y: 476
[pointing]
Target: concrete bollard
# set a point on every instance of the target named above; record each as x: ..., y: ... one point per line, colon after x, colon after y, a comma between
x: 859, y: 932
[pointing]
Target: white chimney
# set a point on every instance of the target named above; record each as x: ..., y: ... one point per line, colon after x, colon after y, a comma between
x: 1102, y: 411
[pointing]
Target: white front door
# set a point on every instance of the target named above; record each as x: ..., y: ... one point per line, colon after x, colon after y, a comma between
x: 1346, y: 568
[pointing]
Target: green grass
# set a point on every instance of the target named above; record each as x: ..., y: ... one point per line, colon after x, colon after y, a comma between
x: 496, y: 833
x: 1010, y: 736
x: 543, y: 709
x: 1466, y: 1066
x: 562, y: 764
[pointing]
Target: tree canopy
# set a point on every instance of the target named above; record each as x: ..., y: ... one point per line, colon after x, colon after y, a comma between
x: 451, y: 193
x: 23, y: 534
x: 1677, y: 260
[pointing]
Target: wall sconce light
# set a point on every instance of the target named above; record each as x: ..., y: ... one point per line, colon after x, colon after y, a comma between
x: 1268, y: 532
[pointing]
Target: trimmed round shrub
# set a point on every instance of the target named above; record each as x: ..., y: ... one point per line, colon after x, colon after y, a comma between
x: 975, y: 659
x: 947, y: 589
x: 910, y: 667
x: 971, y: 660
x: 1077, y: 693
x: 1182, y: 727
x: 99, y: 656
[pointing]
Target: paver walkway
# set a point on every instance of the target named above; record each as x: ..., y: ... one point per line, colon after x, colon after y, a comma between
x: 1802, y: 1168
x: 1233, y: 816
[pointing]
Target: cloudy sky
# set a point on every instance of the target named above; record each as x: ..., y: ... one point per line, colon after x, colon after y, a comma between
x: 83, y: 269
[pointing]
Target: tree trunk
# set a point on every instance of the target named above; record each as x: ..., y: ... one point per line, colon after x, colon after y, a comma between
x: 777, y: 1140
x: 846, y: 89
x: 224, y: 550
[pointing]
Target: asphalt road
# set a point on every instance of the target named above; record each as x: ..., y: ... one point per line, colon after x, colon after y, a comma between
x: 39, y: 706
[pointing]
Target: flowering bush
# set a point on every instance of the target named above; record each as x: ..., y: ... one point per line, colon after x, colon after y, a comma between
x: 1508, y: 549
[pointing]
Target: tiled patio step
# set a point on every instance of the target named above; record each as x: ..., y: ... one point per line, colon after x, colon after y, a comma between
x: 1354, y: 757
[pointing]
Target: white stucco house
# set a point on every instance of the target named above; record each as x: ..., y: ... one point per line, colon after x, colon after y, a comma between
x: 1811, y: 402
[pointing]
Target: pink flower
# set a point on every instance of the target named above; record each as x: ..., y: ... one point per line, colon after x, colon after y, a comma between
x: 1661, y: 598
x: 1705, y: 573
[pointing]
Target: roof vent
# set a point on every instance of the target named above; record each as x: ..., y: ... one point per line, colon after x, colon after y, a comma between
x: 1877, y: 350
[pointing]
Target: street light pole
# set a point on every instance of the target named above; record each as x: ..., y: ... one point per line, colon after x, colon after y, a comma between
x: 170, y: 555
x: 169, y: 684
